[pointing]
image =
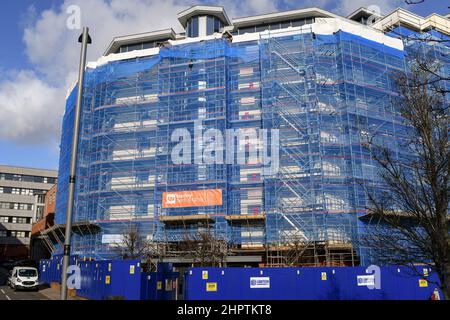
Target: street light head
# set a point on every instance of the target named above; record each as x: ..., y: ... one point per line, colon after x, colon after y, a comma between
x: 80, y: 39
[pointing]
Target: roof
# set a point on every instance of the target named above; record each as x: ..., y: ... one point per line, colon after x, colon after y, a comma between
x: 28, y: 171
x: 283, y: 16
x: 414, y: 21
x: 216, y: 11
x: 384, y: 23
x: 117, y: 42
x: 362, y: 12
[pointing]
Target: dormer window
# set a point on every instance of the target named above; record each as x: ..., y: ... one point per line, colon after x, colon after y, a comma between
x: 203, y: 26
x: 200, y: 21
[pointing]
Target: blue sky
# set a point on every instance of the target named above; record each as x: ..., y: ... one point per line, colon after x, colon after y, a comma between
x: 40, y: 58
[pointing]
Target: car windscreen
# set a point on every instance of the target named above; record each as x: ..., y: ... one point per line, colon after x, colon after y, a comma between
x: 27, y: 273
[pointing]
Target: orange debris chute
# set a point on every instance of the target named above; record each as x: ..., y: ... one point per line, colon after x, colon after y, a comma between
x: 192, y: 198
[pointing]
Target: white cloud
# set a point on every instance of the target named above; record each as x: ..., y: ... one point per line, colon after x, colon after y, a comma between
x: 346, y: 7
x: 29, y: 109
x: 32, y: 101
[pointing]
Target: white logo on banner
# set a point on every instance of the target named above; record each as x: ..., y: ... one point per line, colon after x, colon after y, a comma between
x: 171, y: 198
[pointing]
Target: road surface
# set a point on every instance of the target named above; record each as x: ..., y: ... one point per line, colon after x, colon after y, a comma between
x: 6, y: 293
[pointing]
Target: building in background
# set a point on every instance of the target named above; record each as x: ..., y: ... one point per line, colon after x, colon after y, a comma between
x: 42, y: 244
x: 22, y: 191
x: 324, y: 81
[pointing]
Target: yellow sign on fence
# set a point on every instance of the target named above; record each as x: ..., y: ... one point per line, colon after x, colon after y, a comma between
x: 324, y: 276
x: 205, y: 275
x: 211, y: 286
x: 159, y: 285
x: 108, y: 279
x: 423, y: 283
x: 131, y: 269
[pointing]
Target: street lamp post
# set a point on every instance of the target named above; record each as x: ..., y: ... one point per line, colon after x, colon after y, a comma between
x: 84, y: 39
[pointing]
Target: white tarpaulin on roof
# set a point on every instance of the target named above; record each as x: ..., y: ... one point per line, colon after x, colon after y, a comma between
x: 328, y: 26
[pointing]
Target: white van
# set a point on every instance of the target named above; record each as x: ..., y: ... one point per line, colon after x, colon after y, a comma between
x: 24, y: 278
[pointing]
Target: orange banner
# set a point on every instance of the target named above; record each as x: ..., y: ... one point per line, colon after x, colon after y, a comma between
x: 192, y: 198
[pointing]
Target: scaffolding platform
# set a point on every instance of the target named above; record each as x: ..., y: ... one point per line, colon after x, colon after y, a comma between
x: 186, y: 219
x: 244, y: 218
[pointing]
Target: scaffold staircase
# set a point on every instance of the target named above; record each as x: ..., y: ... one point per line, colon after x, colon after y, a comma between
x: 287, y: 72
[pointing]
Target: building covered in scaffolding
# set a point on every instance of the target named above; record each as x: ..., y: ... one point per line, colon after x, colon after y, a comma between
x: 305, y: 89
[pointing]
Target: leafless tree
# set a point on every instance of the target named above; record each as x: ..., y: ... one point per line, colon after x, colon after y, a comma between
x: 410, y: 223
x: 428, y: 64
x: 133, y: 245
x: 205, y: 249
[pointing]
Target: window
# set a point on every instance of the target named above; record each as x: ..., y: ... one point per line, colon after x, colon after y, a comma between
x: 28, y: 192
x: 298, y: 23
x: 209, y: 25
x: 16, y: 206
x: 195, y: 27
x: 213, y: 24
x: 19, y: 234
x: 22, y: 220
x: 217, y: 25
x: 39, y: 212
x: 262, y: 28
x: 15, y: 191
x: 135, y: 47
x: 246, y: 30
x: 3, y: 233
x: 192, y: 27
x: 188, y: 27
x: 274, y: 26
x: 28, y: 178
x: 27, y: 273
x: 146, y: 45
x: 6, y: 190
x: 41, y: 198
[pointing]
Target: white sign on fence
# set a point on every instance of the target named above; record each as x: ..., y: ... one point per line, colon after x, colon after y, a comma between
x: 259, y: 282
x: 366, y: 280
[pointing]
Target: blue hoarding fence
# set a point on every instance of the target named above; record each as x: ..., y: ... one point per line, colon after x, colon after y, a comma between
x: 162, y: 284
x: 125, y: 279
x: 114, y: 279
x: 328, y: 283
x: 50, y: 269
